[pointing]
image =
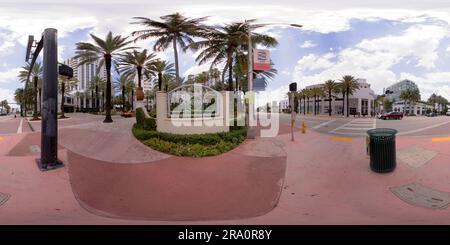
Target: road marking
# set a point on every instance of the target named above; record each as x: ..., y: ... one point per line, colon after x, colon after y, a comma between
x: 356, y: 125
x: 19, y: 129
x: 323, y: 124
x: 423, y: 129
x: 440, y: 139
x: 342, y: 139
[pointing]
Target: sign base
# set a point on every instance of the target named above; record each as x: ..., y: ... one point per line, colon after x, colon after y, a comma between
x: 49, y: 166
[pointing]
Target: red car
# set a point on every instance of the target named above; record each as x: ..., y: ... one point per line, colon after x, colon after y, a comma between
x: 392, y: 115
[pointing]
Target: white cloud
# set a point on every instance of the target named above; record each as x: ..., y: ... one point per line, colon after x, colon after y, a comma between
x: 308, y: 44
x: 9, y: 75
x: 7, y: 94
x: 372, y: 59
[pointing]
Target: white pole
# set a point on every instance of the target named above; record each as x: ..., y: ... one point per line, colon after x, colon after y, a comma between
x: 250, y: 129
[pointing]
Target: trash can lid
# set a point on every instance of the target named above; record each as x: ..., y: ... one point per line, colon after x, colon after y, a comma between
x: 379, y: 132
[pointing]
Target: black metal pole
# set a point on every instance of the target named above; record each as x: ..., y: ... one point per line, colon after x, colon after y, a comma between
x: 49, y: 127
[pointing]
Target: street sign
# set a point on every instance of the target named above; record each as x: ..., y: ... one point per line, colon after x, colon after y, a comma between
x: 29, y: 46
x: 261, y: 60
x: 292, y: 87
x: 259, y: 84
x: 65, y: 70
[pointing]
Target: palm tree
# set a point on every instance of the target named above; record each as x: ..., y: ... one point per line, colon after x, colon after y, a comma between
x: 136, y: 63
x: 163, y: 69
x: 349, y: 85
x: 308, y: 95
x: 96, y: 84
x: 64, y: 82
x: 316, y: 92
x: 330, y: 86
x: 121, y: 85
x: 174, y: 29
x: 224, y: 43
x: 19, y: 98
x: 406, y: 96
x: 37, y: 73
x: 415, y: 97
x: 105, y: 52
x: 433, y: 100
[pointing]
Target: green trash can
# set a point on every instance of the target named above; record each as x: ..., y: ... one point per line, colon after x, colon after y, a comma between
x: 382, y: 149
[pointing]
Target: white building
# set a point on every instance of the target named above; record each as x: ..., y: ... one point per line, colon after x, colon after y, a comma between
x: 83, y: 74
x: 283, y: 105
x: 361, y: 102
x: 393, y: 93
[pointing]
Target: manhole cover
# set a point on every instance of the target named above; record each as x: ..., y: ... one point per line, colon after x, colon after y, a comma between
x: 415, y: 156
x: 35, y: 149
x: 422, y: 196
x: 3, y: 198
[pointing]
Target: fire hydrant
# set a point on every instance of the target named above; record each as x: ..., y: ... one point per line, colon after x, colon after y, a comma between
x: 303, y: 127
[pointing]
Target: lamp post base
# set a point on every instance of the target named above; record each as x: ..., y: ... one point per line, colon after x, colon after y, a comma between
x: 49, y: 166
x: 251, y: 132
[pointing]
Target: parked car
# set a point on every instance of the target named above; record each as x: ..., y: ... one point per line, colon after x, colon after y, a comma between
x: 448, y: 113
x: 432, y: 114
x: 392, y: 115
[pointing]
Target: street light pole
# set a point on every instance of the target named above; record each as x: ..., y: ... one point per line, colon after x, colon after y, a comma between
x: 250, y: 128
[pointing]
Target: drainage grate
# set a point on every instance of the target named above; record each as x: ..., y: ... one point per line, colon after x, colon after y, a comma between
x: 422, y: 196
x: 4, y: 197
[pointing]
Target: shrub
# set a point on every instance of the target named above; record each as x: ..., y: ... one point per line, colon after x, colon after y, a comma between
x: 140, y: 116
x: 192, y: 145
x: 147, y: 123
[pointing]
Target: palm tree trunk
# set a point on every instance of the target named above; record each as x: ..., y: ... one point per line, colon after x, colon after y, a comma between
x: 132, y: 99
x: 329, y: 103
x: 308, y: 104
x: 343, y: 103
x: 175, y: 53
x: 315, y: 105
x: 35, y: 114
x: 159, y: 81
x: 103, y: 101
x: 123, y: 99
x: 97, y: 103
x: 62, y: 98
x: 40, y: 98
x: 348, y: 108
x: 304, y: 106
x: 108, y: 118
x: 230, y: 74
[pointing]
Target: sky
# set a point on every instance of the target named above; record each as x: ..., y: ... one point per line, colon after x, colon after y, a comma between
x: 382, y: 41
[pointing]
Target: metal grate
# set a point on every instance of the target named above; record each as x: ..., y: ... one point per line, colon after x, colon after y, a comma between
x: 422, y: 196
x: 4, y: 197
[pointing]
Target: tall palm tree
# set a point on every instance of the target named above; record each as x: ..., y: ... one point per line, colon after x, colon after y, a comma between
x: 163, y: 69
x: 36, y: 73
x: 121, y: 85
x: 106, y: 53
x: 432, y: 100
x: 174, y: 29
x: 308, y: 95
x: 349, y: 85
x: 136, y: 63
x: 95, y: 85
x: 224, y: 43
x: 64, y: 82
x: 19, y: 98
x: 317, y: 92
x: 330, y: 86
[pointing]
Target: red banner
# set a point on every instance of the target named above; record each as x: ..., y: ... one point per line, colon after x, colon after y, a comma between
x: 261, y: 60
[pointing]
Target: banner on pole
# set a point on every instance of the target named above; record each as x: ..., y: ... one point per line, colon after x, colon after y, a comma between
x: 261, y: 60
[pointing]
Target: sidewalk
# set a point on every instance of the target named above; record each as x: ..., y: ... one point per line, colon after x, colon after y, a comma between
x: 323, y: 179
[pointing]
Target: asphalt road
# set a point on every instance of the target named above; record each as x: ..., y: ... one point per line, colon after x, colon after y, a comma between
x: 415, y: 126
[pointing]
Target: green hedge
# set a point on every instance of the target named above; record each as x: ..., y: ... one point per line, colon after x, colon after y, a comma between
x: 192, y: 145
x: 143, y: 122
